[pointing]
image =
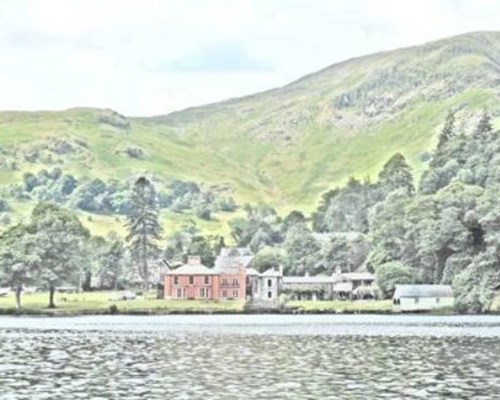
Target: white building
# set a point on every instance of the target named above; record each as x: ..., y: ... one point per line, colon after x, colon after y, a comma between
x: 270, y: 282
x: 416, y: 298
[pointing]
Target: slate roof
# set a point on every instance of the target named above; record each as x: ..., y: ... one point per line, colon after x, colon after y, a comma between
x: 232, y: 269
x: 232, y: 258
x: 347, y: 277
x: 192, y: 269
x: 252, y: 272
x: 271, y: 272
x: 311, y: 280
x: 358, y: 276
x: 230, y: 261
x: 423, y: 291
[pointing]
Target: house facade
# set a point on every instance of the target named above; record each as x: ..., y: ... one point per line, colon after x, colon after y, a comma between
x: 264, y: 287
x: 268, y: 285
x: 194, y: 281
x: 232, y: 282
x: 338, y: 286
x: 233, y: 277
x: 419, y: 298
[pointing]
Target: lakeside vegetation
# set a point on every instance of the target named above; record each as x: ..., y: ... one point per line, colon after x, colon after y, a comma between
x: 108, y: 302
x: 343, y: 306
x: 442, y: 230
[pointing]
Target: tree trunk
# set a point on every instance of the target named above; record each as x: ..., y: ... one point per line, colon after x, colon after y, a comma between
x: 145, y: 271
x: 52, y: 290
x: 86, y: 285
x: 146, y: 276
x: 19, y: 289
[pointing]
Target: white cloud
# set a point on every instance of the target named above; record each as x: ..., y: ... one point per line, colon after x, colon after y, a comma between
x: 153, y: 56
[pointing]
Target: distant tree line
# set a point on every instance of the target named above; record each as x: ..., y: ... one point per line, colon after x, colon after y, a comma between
x: 114, y: 197
x: 445, y: 229
x: 53, y: 249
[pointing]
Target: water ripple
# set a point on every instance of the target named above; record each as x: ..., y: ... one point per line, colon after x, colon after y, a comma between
x: 248, y: 358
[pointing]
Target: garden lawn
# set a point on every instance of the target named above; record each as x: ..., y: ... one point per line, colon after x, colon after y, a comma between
x: 100, y: 302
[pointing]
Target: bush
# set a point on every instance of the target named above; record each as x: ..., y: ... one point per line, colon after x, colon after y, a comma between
x: 4, y: 206
x: 390, y: 274
x: 134, y: 152
x: 204, y: 213
x: 269, y: 257
x: 68, y: 184
x: 227, y: 204
x: 30, y: 181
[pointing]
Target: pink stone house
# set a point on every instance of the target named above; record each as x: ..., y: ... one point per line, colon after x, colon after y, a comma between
x: 195, y: 281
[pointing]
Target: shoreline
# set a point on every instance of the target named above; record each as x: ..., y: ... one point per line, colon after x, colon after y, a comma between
x: 102, y: 303
x: 74, y: 313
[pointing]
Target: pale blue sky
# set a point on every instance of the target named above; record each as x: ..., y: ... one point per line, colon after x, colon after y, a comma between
x: 151, y: 57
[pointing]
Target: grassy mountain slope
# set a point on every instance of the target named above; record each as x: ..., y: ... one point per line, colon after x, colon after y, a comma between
x: 284, y: 146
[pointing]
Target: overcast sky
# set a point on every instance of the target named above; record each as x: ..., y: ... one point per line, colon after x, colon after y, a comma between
x: 145, y: 57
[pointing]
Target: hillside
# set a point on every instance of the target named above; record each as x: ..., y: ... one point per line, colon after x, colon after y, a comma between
x: 284, y: 146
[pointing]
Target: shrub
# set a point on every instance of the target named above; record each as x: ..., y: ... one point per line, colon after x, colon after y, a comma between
x: 204, y: 213
x: 390, y: 274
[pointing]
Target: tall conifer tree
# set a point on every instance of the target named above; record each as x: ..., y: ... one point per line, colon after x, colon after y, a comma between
x: 144, y: 228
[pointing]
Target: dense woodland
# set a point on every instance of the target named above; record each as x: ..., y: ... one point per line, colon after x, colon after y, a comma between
x: 442, y: 229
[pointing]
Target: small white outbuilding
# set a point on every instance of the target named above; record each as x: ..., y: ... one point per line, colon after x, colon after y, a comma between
x: 416, y: 298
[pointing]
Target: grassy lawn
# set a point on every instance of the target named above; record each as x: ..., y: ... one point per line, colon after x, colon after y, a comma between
x: 100, y: 302
x: 344, y: 306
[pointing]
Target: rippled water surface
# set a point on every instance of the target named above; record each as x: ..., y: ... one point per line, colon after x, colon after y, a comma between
x: 250, y: 357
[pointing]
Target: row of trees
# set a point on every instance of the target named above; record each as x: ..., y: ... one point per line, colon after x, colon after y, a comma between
x: 443, y: 230
x: 48, y: 251
x: 447, y: 232
x: 53, y: 248
x: 114, y: 197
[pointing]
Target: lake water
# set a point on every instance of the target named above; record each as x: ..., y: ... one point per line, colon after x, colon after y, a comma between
x: 250, y: 357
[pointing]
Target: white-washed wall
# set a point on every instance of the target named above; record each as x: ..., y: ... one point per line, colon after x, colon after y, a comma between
x: 424, y: 303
